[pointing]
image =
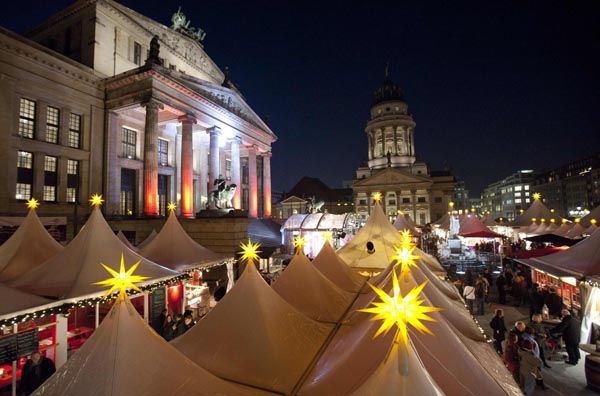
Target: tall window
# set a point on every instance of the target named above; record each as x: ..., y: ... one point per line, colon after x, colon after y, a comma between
x: 26, y: 118
x: 163, y: 189
x: 163, y: 152
x: 129, y: 142
x: 72, y: 180
x: 75, y: 130
x: 24, y: 175
x: 228, y: 169
x: 52, y: 120
x: 50, y: 178
x: 137, y: 53
x: 127, y: 195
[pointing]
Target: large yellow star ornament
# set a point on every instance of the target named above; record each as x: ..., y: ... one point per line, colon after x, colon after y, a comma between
x: 171, y: 206
x: 537, y: 195
x: 96, y: 200
x: 32, y: 203
x: 299, y: 243
x: 405, y: 258
x: 328, y: 236
x: 249, y: 251
x: 122, y: 279
x: 376, y: 196
x: 401, y: 311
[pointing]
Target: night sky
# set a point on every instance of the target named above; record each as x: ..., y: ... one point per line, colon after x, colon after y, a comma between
x: 493, y: 88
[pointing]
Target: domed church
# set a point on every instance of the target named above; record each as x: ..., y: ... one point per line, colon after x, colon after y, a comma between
x: 392, y: 168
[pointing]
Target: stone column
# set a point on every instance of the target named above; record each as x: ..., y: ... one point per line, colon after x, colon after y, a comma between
x: 187, y: 165
x: 203, y: 169
x: 253, y: 182
x: 112, y: 172
x: 151, y: 158
x: 267, y: 183
x: 235, y: 171
x: 414, y: 205
x: 213, y: 168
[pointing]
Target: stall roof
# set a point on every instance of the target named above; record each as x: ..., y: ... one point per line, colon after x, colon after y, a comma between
x: 125, y: 241
x: 14, y: 300
x: 337, y: 271
x: 594, y: 214
x: 404, y: 222
x: 318, y: 221
x: 472, y: 227
x: 537, y: 210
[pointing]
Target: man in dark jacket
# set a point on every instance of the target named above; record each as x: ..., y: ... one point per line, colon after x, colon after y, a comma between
x: 536, y: 300
x: 570, y: 328
x: 35, y: 372
x: 554, y: 302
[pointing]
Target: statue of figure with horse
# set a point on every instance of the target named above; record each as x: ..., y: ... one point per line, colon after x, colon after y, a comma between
x: 314, y: 206
x: 222, y: 197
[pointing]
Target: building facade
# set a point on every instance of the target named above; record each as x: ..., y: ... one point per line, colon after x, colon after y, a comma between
x: 392, y: 169
x: 101, y: 99
x: 508, y: 197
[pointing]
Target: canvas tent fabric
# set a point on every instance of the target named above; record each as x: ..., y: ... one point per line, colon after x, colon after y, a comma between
x: 471, y: 227
x: 537, y: 210
x: 444, y: 222
x: 591, y: 229
x: 27, y: 248
x: 404, y: 222
x: 330, y: 265
x: 594, y: 214
x: 381, y: 233
x: 126, y: 357
x: 72, y: 272
x: 310, y: 292
x: 14, y: 300
x: 125, y: 241
x: 563, y: 229
x: 148, y: 239
x: 254, y: 337
x: 576, y: 231
x: 175, y: 249
x: 488, y: 221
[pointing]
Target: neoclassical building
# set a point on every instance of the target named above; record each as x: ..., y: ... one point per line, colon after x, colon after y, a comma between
x: 405, y: 184
x: 91, y: 103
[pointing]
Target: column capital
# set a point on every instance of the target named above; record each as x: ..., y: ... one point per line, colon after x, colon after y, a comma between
x: 266, y: 154
x: 187, y: 119
x: 152, y: 104
x: 214, y: 130
x: 237, y: 139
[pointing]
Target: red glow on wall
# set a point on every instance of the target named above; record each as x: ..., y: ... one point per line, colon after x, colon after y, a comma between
x: 150, y: 203
x: 186, y: 198
x: 175, y: 293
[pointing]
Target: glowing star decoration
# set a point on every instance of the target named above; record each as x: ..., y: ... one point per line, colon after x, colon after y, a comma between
x: 96, y: 200
x: 328, y: 236
x: 537, y: 195
x: 122, y: 279
x: 299, y: 243
x: 401, y: 311
x: 405, y: 258
x: 171, y: 206
x: 564, y: 221
x: 250, y: 251
x: 376, y: 196
x: 32, y: 203
x: 552, y: 221
x: 406, y: 239
x: 577, y: 220
x: 451, y: 204
x: 593, y: 221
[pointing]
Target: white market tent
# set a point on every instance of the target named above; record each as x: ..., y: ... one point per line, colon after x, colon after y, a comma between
x: 125, y: 241
x: 576, y: 231
x: 381, y: 233
x: 563, y: 229
x: 14, y: 300
x: 404, y: 222
x: 310, y: 292
x: 591, y: 229
x: 594, y: 214
x: 72, y: 272
x: 472, y: 227
x: 148, y: 239
x: 538, y: 211
x: 254, y: 337
x: 27, y: 248
x: 126, y: 357
x: 337, y: 271
x: 175, y: 249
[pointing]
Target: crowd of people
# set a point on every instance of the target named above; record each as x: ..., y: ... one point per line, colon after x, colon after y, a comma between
x: 170, y: 328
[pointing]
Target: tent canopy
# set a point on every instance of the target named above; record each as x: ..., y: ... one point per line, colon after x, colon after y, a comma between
x: 337, y: 271
x: 537, y: 210
x: 472, y: 227
x: 14, y: 300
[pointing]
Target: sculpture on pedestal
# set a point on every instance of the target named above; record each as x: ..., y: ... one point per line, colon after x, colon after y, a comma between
x: 223, y: 195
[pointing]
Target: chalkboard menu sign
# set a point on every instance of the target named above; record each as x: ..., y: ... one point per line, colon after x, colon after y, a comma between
x: 158, y: 302
x: 8, y: 349
x: 27, y: 342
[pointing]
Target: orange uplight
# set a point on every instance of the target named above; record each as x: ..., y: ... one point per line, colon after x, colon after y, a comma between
x: 186, y: 200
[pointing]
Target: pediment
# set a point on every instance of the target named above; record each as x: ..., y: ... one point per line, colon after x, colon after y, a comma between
x: 392, y: 176
x: 293, y: 199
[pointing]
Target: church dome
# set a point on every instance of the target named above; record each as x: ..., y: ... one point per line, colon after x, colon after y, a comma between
x: 388, y: 92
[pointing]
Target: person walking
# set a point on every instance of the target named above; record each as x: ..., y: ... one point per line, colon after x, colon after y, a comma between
x: 540, y: 336
x: 35, y: 372
x: 469, y: 295
x: 570, y: 329
x: 499, y: 328
x: 529, y: 368
x: 501, y: 285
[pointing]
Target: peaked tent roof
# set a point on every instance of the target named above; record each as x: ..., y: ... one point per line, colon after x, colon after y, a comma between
x: 582, y: 259
x: 379, y: 231
x: 27, y: 248
x: 14, y: 300
x: 594, y: 214
x: 254, y: 337
x: 71, y: 272
x: 488, y: 221
x: 125, y: 241
x: 591, y: 229
x: 537, y: 210
x: 337, y: 271
x: 310, y: 292
x: 443, y: 222
x: 471, y: 227
x: 148, y: 239
x: 174, y: 248
x: 404, y: 222
x: 125, y: 356
x: 562, y: 230
x: 575, y: 231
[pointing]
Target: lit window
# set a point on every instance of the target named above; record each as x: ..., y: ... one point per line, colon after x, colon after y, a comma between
x: 518, y: 188
x: 71, y: 194
x: 137, y: 53
x: 163, y: 152
x: 26, y: 118
x: 518, y: 200
x: 74, y: 130
x: 72, y: 166
x: 24, y: 160
x: 50, y: 164
x: 421, y: 200
x: 517, y: 194
x: 50, y: 193
x: 23, y: 191
x: 527, y: 200
x: 52, y: 122
x: 129, y: 143
x: 526, y: 187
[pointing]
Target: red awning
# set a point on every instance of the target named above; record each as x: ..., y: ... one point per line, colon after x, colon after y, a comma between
x: 538, y: 252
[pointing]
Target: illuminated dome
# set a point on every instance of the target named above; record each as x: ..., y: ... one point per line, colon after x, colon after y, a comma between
x: 388, y: 92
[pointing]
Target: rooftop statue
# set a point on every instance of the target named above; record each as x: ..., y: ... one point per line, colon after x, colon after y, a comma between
x: 182, y: 25
x: 153, y: 56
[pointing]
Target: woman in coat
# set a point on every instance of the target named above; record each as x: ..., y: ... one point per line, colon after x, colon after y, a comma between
x: 497, y: 324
